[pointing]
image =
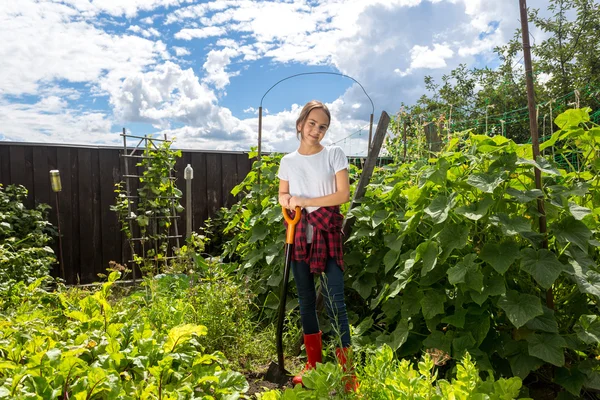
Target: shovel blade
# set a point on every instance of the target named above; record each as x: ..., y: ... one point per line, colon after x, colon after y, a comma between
x: 277, y: 374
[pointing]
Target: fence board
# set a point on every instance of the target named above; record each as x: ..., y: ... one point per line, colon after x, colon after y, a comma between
x: 5, y: 165
x: 199, y: 191
x: 229, y: 178
x: 110, y: 227
x: 214, y: 188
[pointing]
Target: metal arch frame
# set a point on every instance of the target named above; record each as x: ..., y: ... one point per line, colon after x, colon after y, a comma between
x: 311, y: 73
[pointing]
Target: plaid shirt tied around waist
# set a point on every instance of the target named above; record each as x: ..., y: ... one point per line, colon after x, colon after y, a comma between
x: 327, y: 238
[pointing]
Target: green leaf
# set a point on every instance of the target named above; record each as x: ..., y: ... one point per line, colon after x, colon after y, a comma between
x: 511, y: 225
x: 453, y: 236
x: 439, y: 208
x: 571, y: 379
x: 524, y: 196
x: 364, y: 326
x: 578, y: 212
x: 181, y: 334
x: 572, y: 118
x: 588, y: 280
x: 428, y: 252
x: 400, y: 334
x: 546, y: 322
x: 259, y: 232
x: 432, y: 304
x: 542, y: 265
x: 411, y: 302
x: 547, y: 347
x: 475, y: 211
x: 439, y: 340
x: 520, y: 308
x: 390, y: 260
x: 457, y: 273
x: 457, y: 319
x: 521, y: 364
x: 394, y: 241
x: 569, y: 230
x: 485, y: 182
x: 364, y: 285
x: 541, y: 163
x: 588, y: 329
x: 500, y: 256
x: 462, y: 343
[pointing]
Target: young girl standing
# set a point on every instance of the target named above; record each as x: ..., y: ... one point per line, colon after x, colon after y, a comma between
x: 315, y: 178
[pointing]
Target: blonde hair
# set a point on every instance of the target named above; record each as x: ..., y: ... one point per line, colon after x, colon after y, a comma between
x: 308, y: 107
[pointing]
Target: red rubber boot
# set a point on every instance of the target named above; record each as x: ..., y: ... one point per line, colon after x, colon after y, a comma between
x: 349, y: 379
x: 314, y: 348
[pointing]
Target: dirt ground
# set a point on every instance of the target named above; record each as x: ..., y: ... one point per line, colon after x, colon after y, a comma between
x: 259, y: 385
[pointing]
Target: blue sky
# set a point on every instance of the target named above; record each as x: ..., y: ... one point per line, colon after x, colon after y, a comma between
x: 78, y: 71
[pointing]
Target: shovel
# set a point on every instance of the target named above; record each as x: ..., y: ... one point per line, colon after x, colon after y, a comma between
x: 277, y: 372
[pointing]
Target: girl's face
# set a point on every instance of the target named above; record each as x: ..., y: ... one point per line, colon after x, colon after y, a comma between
x: 314, y: 128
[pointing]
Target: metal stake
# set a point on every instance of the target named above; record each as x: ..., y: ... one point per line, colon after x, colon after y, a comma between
x: 56, y: 188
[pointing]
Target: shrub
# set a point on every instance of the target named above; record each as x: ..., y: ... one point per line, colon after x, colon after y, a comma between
x: 24, y: 238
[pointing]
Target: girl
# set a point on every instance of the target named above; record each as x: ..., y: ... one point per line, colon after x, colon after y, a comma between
x: 315, y: 178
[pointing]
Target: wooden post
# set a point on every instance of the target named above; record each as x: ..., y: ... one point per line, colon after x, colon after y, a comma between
x: 533, y: 126
x: 370, y: 135
x: 259, y: 141
x: 404, y: 140
x: 367, y: 171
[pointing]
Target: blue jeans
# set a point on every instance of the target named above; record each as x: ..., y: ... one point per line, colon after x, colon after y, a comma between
x: 332, y: 287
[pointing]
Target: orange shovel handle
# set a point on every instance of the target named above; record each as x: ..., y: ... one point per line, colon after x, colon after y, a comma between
x: 291, y: 229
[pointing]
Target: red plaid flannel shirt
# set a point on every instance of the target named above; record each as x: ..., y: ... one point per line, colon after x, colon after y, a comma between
x: 327, y: 238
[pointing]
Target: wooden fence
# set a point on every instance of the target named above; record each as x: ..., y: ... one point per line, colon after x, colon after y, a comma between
x: 91, y: 235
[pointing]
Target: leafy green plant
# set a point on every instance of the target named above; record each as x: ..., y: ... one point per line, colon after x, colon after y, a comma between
x: 73, y: 344
x: 447, y: 254
x: 156, y: 208
x: 385, y: 377
x: 24, y: 237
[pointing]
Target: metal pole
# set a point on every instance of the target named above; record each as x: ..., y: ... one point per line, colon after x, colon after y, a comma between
x: 57, y: 187
x: 533, y: 126
x: 259, y: 141
x: 370, y: 134
x: 188, y: 176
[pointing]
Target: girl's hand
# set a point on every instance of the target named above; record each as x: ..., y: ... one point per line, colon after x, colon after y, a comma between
x: 284, y: 200
x: 297, y: 201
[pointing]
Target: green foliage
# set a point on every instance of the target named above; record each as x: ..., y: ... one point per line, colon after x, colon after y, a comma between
x: 385, y: 377
x: 24, y: 237
x: 79, y: 345
x: 156, y: 207
x: 452, y: 249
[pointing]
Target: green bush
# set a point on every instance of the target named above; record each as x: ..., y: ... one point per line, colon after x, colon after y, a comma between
x: 385, y: 378
x: 24, y: 238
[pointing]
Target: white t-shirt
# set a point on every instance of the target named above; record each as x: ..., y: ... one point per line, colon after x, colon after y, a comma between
x: 312, y: 176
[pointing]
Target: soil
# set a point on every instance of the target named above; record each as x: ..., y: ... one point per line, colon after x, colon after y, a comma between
x: 258, y: 384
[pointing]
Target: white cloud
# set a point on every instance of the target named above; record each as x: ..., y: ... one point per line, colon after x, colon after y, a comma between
x: 201, y: 33
x: 45, y: 42
x: 216, y: 65
x: 181, y: 51
x: 48, y: 121
x: 424, y: 57
x: 147, y: 33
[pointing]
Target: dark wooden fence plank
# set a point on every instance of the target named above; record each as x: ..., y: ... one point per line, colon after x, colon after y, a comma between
x: 65, y: 213
x: 5, y: 179
x: 199, y: 198
x: 110, y: 231
x: 229, y: 178
x: 74, y: 274
x: 42, y: 191
x: 214, y: 183
x: 86, y: 217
